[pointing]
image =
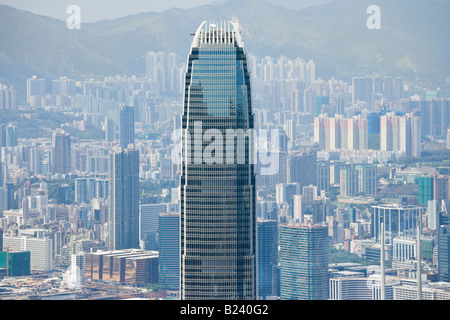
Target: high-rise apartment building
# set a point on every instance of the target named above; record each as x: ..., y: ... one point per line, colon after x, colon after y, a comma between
x: 35, y: 91
x: 218, y: 190
x: 123, y: 222
x: 362, y: 90
x: 341, y: 133
x: 8, y: 97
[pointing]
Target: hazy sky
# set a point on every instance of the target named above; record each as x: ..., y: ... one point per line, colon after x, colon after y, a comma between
x: 95, y: 10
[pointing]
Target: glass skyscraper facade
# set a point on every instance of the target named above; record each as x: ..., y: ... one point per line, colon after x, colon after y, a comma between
x: 123, y: 220
x: 267, y: 258
x: 304, y: 262
x: 169, y: 250
x: 218, y: 195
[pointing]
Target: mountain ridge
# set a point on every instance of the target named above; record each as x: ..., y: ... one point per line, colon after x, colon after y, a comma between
x: 412, y: 42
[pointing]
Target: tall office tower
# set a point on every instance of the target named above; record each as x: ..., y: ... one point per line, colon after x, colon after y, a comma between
x: 435, y: 115
x: 148, y: 224
x: 440, y: 187
x: 304, y: 262
x: 267, y: 258
x: 123, y: 220
x: 35, y: 91
x: 126, y: 126
x: 169, y: 250
x: 363, y: 91
x: 61, y: 152
x: 218, y: 190
x: 10, y: 135
x: 443, y: 239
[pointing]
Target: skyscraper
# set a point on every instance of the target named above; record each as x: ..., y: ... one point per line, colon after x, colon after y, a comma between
x: 304, y: 262
x: 61, y: 152
x: 267, y: 257
x: 169, y: 250
x: 126, y: 126
x: 218, y: 193
x: 123, y: 221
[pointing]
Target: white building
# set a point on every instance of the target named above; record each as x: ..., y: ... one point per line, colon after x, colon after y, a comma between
x: 41, y: 251
x: 73, y: 278
x: 358, y: 288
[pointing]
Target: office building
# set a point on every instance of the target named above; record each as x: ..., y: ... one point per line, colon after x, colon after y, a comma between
x: 134, y: 267
x: 304, y: 262
x: 399, y: 220
x: 267, y: 258
x: 218, y: 193
x: 61, y: 152
x: 401, y: 133
x: 358, y: 288
x: 149, y: 224
x: 169, y: 250
x: 123, y: 223
x: 17, y: 263
x: 126, y: 126
x: 41, y: 250
x: 443, y: 242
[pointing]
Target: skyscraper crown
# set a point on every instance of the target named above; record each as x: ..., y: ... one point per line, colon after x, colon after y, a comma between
x: 223, y: 32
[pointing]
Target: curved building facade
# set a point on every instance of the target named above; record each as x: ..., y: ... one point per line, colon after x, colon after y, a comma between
x: 218, y: 194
